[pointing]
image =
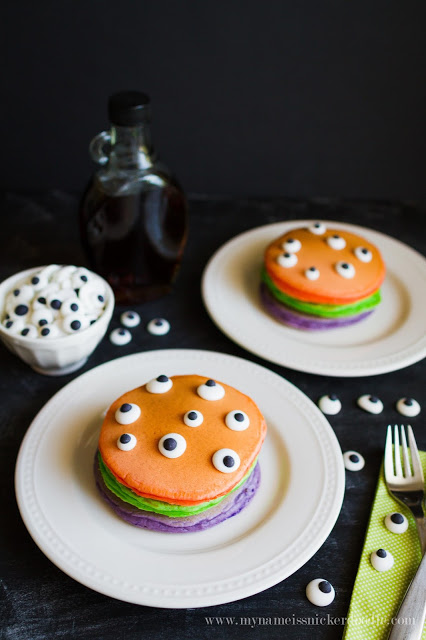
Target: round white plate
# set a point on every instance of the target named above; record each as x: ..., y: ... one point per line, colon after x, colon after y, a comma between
x: 289, y: 518
x: 393, y: 337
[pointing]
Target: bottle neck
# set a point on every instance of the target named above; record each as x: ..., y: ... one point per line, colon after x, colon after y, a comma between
x: 131, y: 147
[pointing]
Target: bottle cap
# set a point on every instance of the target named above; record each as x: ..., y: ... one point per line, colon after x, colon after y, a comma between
x: 128, y: 108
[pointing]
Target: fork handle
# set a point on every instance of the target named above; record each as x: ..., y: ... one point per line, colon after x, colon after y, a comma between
x: 413, y: 608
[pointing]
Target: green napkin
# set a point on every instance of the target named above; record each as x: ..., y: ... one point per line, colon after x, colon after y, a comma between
x: 377, y: 595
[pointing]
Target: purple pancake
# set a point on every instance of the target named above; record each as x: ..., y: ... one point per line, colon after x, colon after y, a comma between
x: 298, y: 320
x: 228, y: 507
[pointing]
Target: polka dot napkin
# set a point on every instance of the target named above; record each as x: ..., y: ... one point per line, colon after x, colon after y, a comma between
x: 377, y: 596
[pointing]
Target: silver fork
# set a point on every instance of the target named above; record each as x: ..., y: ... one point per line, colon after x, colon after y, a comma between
x: 407, y: 487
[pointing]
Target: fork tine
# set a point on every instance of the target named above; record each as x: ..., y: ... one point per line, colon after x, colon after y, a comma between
x: 407, y: 467
x: 415, y: 459
x: 397, y: 454
x: 388, y: 455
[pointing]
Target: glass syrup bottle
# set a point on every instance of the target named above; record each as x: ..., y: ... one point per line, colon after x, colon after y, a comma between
x: 133, y: 214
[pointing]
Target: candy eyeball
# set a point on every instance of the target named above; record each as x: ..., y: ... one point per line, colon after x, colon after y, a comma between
x: 120, y: 337
x: 226, y: 460
x: 75, y: 322
x: 193, y: 418
x: 24, y: 293
x: 382, y: 560
x: 80, y: 277
x: 161, y: 384
x: 371, y: 404
x: 237, y: 420
x: 292, y: 245
x: 408, y: 407
x: 396, y: 522
x: 158, y: 327
x: 320, y: 592
x: 330, y: 404
x: 287, y: 260
x: 318, y: 228
x: 336, y: 242
x: 70, y: 306
x: 353, y: 461
x: 63, y: 273
x: 50, y: 331
x: 363, y: 254
x: 29, y: 331
x: 41, y: 317
x: 345, y: 269
x: 19, y: 311
x: 312, y: 273
x: 38, y: 281
x: 127, y: 413
x: 211, y: 390
x: 130, y: 319
x: 126, y: 442
x: 172, y: 445
x: 14, y: 326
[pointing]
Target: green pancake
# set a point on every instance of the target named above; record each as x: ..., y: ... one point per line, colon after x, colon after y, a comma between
x: 157, y: 506
x: 322, y: 310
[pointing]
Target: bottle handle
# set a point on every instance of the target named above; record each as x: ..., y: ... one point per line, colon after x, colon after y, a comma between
x: 97, y: 147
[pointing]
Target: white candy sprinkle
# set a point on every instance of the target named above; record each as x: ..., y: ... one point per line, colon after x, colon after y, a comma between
x: 158, y: 327
x: 130, y: 319
x: 120, y: 337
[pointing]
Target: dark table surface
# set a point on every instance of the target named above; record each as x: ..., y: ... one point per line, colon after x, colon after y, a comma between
x: 38, y: 600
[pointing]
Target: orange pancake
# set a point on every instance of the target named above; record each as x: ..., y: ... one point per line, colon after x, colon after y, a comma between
x: 330, y: 287
x: 192, y: 477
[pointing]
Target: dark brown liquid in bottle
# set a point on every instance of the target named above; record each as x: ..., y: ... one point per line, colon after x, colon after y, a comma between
x: 135, y: 241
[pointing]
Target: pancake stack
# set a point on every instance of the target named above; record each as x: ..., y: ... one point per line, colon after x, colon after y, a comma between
x: 180, y: 454
x: 318, y: 278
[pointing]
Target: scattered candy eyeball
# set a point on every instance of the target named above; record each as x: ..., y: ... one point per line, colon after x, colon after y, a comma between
x: 396, y: 522
x: 127, y: 413
x: 172, y: 445
x: 408, y: 407
x: 287, y: 260
x: 193, y: 418
x: 336, y: 242
x: 161, y: 384
x: 320, y: 592
x: 237, y: 420
x: 312, y: 273
x: 130, y: 319
x: 126, y: 442
x: 345, y: 269
x: 211, y: 390
x: 353, y: 461
x: 330, y: 404
x: 318, y: 228
x: 120, y: 337
x: 363, y: 254
x: 226, y: 460
x: 158, y: 327
x: 382, y: 560
x: 292, y: 245
x: 371, y: 404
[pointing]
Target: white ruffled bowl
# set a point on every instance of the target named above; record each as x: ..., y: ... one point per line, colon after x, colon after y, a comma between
x: 55, y: 356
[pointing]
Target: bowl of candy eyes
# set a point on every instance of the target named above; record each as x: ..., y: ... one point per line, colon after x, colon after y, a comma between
x: 53, y: 317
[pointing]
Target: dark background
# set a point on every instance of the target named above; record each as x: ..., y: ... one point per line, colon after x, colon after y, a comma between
x: 295, y: 99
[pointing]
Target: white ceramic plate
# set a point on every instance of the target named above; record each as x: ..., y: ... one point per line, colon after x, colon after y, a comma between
x: 393, y: 337
x: 287, y: 521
